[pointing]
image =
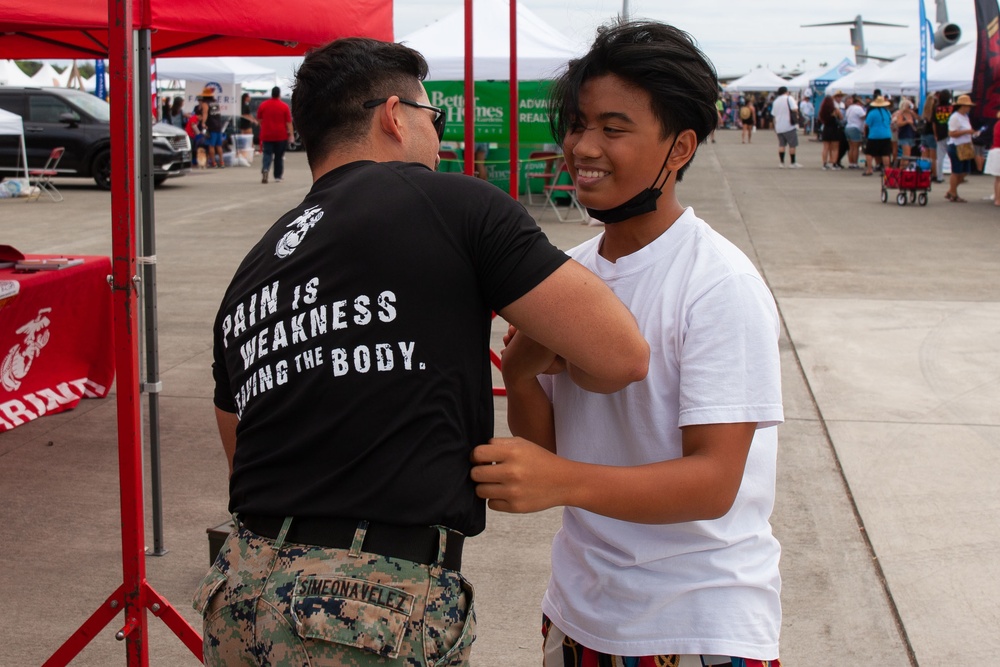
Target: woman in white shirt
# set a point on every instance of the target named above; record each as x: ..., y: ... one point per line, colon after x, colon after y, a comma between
x: 960, y: 133
x: 855, y: 130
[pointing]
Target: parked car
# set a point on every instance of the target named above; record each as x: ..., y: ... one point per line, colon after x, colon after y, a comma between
x: 294, y: 144
x: 80, y: 123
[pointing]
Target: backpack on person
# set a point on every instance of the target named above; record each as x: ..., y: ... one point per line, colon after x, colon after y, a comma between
x: 745, y: 113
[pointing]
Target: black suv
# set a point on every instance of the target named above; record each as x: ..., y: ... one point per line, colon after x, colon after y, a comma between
x: 79, y: 122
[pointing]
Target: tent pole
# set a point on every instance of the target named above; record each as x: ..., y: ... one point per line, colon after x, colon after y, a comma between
x: 515, y: 110
x: 147, y: 259
x: 470, y: 95
x: 122, y: 66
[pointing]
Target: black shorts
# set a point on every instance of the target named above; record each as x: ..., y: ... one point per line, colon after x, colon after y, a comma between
x: 879, y: 147
x: 831, y: 131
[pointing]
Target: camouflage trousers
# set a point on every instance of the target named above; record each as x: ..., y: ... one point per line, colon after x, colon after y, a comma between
x: 265, y: 602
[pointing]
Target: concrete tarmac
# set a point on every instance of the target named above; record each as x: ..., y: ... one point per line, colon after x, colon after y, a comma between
x: 888, y: 460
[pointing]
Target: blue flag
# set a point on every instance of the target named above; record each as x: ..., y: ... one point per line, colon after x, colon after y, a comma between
x: 924, y: 37
x: 99, y: 89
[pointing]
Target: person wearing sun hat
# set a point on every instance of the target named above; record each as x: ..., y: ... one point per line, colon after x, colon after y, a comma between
x: 879, y: 124
x: 960, y: 132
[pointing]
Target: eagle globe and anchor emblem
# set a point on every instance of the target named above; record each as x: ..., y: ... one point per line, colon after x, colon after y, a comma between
x: 18, y: 361
x: 293, y: 237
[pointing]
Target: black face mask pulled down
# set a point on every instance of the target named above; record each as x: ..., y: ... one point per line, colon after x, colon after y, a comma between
x: 642, y: 203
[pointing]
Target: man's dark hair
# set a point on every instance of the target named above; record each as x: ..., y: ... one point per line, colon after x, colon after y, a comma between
x: 659, y: 59
x: 334, y: 82
x: 782, y: 90
x: 275, y: 92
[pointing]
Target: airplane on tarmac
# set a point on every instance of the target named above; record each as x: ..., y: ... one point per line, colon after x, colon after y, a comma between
x: 946, y: 34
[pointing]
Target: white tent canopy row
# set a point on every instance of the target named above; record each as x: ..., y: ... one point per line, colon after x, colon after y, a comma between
x: 11, y: 75
x: 757, y: 81
x: 542, y: 51
x: 825, y: 73
x: 225, y: 70
x: 902, y: 76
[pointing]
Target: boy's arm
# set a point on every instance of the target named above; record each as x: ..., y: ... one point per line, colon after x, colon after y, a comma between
x: 580, y: 319
x: 529, y: 411
x: 518, y: 476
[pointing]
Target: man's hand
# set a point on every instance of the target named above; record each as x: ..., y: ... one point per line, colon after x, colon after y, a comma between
x: 516, y: 475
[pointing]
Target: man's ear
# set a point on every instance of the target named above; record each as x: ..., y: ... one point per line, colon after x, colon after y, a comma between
x: 684, y: 149
x: 389, y: 119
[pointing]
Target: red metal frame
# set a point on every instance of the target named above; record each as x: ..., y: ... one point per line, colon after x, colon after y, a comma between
x: 495, y: 360
x: 515, y: 109
x: 470, y: 95
x: 135, y: 595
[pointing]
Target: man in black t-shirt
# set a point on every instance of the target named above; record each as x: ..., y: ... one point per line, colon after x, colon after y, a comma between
x: 353, y: 379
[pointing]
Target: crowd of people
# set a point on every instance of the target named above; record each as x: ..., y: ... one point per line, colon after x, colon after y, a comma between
x: 877, y: 131
x: 206, y: 127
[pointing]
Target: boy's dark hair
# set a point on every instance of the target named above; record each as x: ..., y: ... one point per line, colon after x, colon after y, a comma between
x: 334, y: 82
x: 656, y: 57
x: 275, y: 93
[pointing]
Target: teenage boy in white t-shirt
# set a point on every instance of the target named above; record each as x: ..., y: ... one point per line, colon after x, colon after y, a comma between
x: 665, y: 555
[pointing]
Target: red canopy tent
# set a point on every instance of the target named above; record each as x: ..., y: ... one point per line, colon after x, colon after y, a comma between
x: 79, y: 29
x: 97, y: 29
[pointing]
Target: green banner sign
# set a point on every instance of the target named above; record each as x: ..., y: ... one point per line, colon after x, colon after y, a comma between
x: 493, y: 109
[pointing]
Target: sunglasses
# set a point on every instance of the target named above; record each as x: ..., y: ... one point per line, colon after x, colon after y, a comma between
x: 439, y: 116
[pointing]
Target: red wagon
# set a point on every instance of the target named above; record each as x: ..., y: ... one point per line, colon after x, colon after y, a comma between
x: 911, y: 179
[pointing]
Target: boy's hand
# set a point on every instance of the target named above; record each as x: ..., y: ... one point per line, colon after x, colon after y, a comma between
x: 523, y: 358
x: 516, y: 475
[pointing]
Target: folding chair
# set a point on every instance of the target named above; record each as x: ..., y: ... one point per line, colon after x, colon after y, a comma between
x: 567, y: 189
x: 42, y: 178
x: 549, y: 157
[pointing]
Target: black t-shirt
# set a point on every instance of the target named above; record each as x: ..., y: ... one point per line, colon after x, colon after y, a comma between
x: 245, y: 123
x: 353, y: 342
x: 215, y: 121
x: 942, y: 112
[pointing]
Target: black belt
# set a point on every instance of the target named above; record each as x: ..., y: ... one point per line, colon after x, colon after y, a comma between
x: 413, y: 543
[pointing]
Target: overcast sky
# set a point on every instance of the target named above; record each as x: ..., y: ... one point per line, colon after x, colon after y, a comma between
x: 737, y: 35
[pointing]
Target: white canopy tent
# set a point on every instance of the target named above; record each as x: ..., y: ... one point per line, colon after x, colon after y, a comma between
x: 953, y: 72
x: 224, y: 70
x: 11, y: 124
x: 758, y: 80
x: 542, y: 51
x: 891, y: 76
x: 11, y: 75
x: 860, y: 81
x: 47, y: 76
x: 804, y: 80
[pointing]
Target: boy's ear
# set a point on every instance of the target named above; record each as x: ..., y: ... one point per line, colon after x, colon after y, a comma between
x: 684, y: 149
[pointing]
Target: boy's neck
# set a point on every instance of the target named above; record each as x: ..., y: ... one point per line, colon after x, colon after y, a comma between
x: 624, y: 238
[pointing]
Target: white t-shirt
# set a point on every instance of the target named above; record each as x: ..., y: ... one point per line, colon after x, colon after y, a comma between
x: 855, y: 116
x: 959, y: 121
x: 779, y: 110
x: 702, y: 587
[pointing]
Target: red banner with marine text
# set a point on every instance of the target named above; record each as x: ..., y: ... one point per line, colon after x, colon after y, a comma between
x: 56, y: 343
